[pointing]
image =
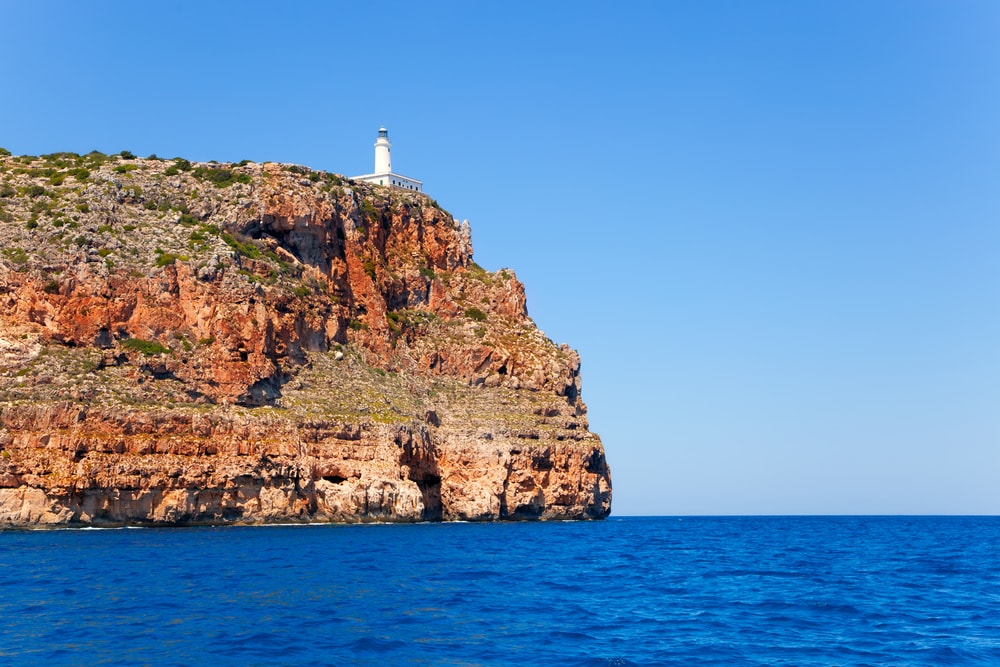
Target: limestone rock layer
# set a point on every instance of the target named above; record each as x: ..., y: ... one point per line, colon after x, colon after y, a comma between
x: 202, y: 343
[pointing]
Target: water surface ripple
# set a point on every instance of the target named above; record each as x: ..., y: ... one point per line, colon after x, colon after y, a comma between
x: 626, y: 591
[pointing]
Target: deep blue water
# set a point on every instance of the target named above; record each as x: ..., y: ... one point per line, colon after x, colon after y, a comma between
x: 626, y: 591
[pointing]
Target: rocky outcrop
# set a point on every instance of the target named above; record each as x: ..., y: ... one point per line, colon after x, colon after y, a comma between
x: 67, y: 464
x: 262, y: 343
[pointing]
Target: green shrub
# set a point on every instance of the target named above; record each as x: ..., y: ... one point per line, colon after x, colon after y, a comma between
x: 95, y: 158
x: 302, y: 291
x: 125, y: 168
x: 43, y: 172
x: 475, y: 314
x: 427, y: 272
x: 34, y: 191
x: 51, y: 287
x: 249, y: 275
x: 369, y: 210
x: 187, y: 220
x: 394, y: 322
x: 172, y: 170
x: 127, y: 155
x: 61, y: 159
x: 369, y: 265
x: 168, y: 258
x: 245, y: 248
x: 4, y: 152
x: 147, y: 347
x: 220, y: 176
x: 182, y: 164
x: 31, y: 224
x: 6, y: 191
x: 15, y: 255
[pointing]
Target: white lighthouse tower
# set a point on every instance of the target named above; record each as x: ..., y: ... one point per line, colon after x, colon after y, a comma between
x: 384, y: 174
x: 383, y: 152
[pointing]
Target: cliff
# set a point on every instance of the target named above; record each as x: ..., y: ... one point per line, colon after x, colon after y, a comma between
x: 248, y: 343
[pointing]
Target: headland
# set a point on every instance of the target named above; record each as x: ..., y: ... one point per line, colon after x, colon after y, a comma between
x: 202, y: 343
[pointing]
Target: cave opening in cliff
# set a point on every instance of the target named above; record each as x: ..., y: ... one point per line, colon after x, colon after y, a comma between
x: 530, y: 510
x: 430, y: 490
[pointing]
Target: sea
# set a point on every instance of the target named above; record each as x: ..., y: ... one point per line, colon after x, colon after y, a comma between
x: 624, y: 591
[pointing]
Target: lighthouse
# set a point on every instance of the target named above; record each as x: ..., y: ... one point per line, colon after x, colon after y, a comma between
x: 384, y: 175
x: 383, y: 152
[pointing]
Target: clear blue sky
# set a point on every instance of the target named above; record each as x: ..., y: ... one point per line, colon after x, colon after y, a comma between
x: 772, y: 229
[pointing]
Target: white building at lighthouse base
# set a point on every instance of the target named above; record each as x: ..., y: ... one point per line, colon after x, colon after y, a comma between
x: 392, y: 179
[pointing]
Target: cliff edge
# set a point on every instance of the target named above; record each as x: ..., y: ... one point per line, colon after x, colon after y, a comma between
x: 186, y: 343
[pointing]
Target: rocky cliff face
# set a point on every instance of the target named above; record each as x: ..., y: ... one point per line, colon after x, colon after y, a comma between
x: 202, y: 343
